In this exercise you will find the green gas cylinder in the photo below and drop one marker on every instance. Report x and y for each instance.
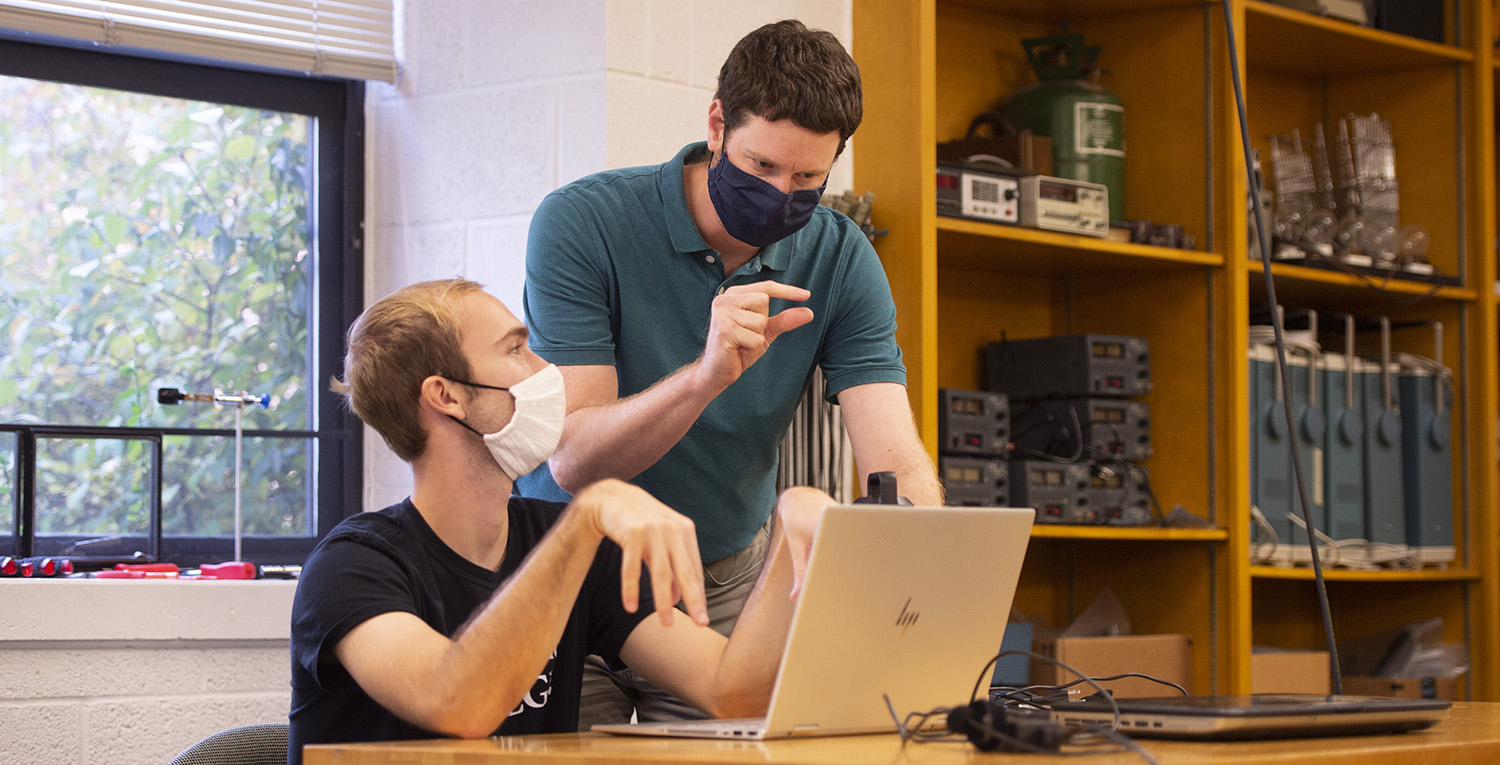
(1085, 121)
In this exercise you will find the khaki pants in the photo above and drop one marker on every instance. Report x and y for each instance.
(612, 696)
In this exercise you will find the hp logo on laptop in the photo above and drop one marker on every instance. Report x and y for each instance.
(907, 618)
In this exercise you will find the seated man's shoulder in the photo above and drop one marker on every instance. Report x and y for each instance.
(383, 522)
(360, 533)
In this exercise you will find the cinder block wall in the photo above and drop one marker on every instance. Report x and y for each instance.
(501, 101)
(662, 60)
(133, 671)
(497, 101)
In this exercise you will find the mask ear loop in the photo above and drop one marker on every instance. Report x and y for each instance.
(466, 425)
(472, 384)
(462, 381)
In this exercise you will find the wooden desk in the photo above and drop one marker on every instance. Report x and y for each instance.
(1470, 734)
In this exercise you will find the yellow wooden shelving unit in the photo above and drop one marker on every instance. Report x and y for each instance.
(1341, 575)
(1143, 534)
(930, 66)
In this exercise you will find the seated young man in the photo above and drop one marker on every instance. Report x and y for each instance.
(465, 611)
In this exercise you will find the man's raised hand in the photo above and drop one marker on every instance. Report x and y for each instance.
(741, 327)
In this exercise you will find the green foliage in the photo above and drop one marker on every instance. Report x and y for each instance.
(8, 478)
(107, 497)
(152, 242)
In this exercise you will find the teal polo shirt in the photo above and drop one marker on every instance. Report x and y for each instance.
(617, 274)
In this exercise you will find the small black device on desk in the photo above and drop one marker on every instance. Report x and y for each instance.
(881, 490)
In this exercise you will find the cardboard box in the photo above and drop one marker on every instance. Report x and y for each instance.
(1166, 657)
(1445, 688)
(1289, 672)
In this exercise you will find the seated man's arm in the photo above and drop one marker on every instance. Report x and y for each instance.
(467, 685)
(878, 417)
(605, 436)
(734, 677)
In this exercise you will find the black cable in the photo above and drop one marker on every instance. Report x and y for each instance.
(1097, 455)
(1121, 676)
(915, 726)
(1104, 458)
(1057, 430)
(1110, 735)
(1047, 419)
(1082, 678)
(1386, 276)
(1337, 682)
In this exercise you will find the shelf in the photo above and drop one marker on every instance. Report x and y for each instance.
(1293, 42)
(1303, 285)
(1341, 575)
(959, 284)
(1128, 534)
(1010, 249)
(1061, 10)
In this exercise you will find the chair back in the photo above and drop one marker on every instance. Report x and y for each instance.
(263, 744)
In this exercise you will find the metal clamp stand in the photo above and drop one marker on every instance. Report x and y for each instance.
(172, 396)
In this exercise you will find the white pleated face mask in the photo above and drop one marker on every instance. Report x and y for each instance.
(536, 426)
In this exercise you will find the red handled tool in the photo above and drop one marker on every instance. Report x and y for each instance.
(36, 566)
(231, 570)
(118, 574)
(140, 571)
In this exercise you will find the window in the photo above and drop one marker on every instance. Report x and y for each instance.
(171, 224)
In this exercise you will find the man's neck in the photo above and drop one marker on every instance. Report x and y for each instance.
(732, 252)
(466, 503)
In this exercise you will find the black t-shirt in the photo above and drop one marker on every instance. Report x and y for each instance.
(388, 561)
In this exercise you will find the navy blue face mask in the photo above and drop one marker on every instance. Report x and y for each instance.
(754, 211)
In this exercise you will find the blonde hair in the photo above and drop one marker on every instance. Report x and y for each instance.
(392, 347)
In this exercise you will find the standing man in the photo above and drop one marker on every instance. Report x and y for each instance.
(688, 305)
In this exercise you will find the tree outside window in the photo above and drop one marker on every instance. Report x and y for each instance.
(150, 242)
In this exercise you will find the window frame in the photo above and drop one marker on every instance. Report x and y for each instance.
(337, 107)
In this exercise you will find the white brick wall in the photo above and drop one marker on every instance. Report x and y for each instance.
(663, 59)
(134, 672)
(501, 101)
(498, 103)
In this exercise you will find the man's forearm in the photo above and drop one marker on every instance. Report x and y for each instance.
(884, 435)
(747, 670)
(620, 439)
(919, 483)
(916, 476)
(507, 643)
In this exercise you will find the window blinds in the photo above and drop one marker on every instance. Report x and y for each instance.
(345, 38)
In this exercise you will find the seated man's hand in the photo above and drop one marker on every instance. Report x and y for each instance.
(649, 532)
(798, 511)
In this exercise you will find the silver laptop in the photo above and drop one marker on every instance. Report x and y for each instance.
(1256, 717)
(909, 602)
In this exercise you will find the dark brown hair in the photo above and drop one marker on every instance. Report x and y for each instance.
(786, 71)
(393, 346)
